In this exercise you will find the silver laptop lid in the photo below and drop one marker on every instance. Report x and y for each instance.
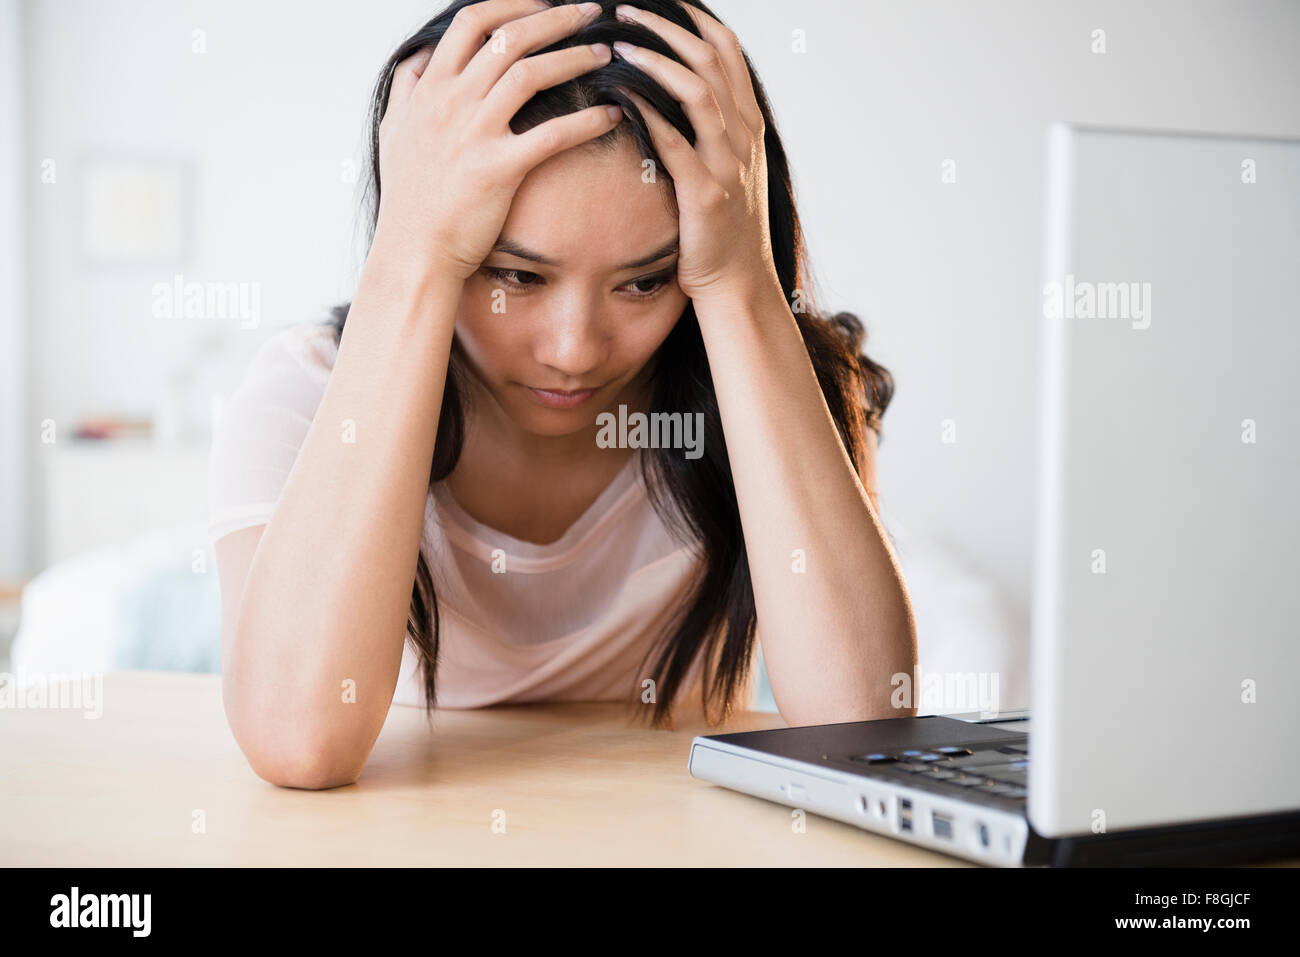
(1166, 608)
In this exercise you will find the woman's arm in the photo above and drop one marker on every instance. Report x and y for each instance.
(326, 584)
(321, 597)
(834, 616)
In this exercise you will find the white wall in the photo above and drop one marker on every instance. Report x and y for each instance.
(13, 381)
(265, 118)
(945, 276)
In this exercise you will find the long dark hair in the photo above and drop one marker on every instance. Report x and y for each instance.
(694, 497)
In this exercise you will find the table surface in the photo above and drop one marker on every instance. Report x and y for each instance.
(573, 784)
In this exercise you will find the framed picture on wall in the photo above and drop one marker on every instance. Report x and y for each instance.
(136, 211)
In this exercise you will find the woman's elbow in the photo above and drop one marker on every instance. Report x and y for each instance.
(302, 767)
(308, 779)
(308, 762)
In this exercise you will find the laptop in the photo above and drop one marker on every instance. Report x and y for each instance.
(1164, 709)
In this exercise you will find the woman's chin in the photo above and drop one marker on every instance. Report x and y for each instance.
(552, 422)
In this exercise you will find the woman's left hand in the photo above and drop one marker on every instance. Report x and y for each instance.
(721, 182)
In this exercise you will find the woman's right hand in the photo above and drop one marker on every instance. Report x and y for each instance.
(449, 162)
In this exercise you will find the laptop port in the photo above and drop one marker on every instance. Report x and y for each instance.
(872, 806)
(984, 835)
(904, 814)
(942, 826)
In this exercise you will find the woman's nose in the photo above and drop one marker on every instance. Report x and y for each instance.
(571, 338)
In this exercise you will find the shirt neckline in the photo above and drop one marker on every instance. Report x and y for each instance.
(483, 539)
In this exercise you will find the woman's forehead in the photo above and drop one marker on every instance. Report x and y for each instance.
(591, 206)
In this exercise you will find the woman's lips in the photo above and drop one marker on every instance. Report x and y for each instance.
(559, 399)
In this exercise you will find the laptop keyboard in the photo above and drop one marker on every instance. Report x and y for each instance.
(1003, 770)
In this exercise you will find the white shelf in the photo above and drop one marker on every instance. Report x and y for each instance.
(104, 492)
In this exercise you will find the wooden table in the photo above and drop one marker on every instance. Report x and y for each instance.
(572, 783)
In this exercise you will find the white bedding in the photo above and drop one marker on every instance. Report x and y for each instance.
(154, 604)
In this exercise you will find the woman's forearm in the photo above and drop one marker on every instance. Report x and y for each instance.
(326, 596)
(834, 616)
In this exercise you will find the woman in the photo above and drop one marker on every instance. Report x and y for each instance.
(450, 461)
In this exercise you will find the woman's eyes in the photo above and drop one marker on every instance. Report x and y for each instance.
(523, 279)
(512, 277)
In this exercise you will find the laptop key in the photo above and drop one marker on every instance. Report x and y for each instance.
(980, 759)
(1006, 774)
(1008, 790)
(876, 757)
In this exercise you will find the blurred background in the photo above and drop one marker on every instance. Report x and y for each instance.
(150, 145)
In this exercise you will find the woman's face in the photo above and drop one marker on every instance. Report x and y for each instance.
(558, 341)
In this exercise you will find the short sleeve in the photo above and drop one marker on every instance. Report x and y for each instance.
(264, 423)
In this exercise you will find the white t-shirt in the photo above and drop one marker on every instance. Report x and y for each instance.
(569, 620)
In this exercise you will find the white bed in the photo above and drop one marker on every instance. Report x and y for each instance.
(153, 603)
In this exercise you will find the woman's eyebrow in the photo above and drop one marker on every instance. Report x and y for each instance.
(667, 249)
(512, 248)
